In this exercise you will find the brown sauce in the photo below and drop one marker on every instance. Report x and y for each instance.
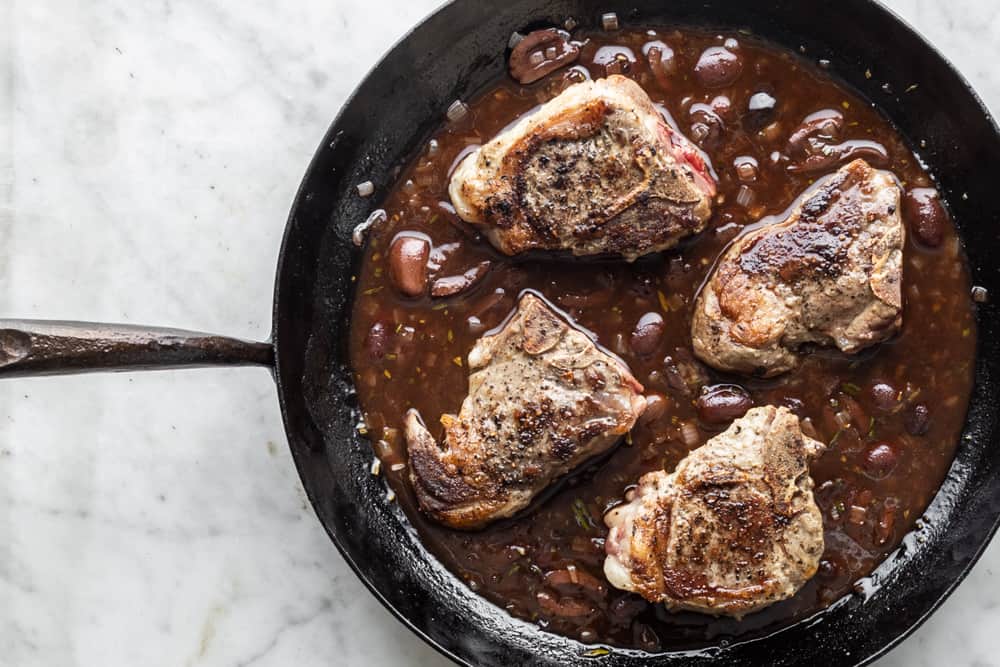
(891, 415)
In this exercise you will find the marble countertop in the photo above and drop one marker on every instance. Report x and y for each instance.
(148, 156)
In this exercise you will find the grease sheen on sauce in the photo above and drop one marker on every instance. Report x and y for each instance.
(903, 402)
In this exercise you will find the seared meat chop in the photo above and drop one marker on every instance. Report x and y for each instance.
(830, 274)
(732, 530)
(596, 170)
(543, 398)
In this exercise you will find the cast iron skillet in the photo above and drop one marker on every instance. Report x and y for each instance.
(453, 54)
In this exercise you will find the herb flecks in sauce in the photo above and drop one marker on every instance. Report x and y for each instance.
(891, 416)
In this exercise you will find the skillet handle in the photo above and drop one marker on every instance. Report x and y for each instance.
(40, 347)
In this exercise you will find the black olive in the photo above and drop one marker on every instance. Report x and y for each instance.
(925, 215)
(656, 407)
(723, 403)
(539, 53)
(647, 334)
(880, 460)
(760, 111)
(706, 126)
(718, 67)
(884, 396)
(408, 264)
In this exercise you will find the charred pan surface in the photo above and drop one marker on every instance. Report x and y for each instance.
(830, 274)
(543, 399)
(594, 171)
(732, 530)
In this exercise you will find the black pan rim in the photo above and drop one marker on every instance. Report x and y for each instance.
(290, 430)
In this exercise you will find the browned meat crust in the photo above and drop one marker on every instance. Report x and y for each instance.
(543, 398)
(733, 529)
(595, 171)
(830, 274)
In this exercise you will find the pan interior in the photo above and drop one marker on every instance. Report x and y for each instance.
(459, 51)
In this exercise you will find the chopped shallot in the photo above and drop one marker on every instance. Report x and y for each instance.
(358, 235)
(457, 111)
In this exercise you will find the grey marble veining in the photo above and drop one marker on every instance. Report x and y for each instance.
(148, 156)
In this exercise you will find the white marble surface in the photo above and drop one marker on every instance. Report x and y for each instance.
(148, 156)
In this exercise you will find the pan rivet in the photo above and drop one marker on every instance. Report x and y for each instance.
(14, 345)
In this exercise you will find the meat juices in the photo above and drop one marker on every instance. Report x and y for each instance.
(733, 529)
(831, 274)
(595, 171)
(543, 399)
(890, 416)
